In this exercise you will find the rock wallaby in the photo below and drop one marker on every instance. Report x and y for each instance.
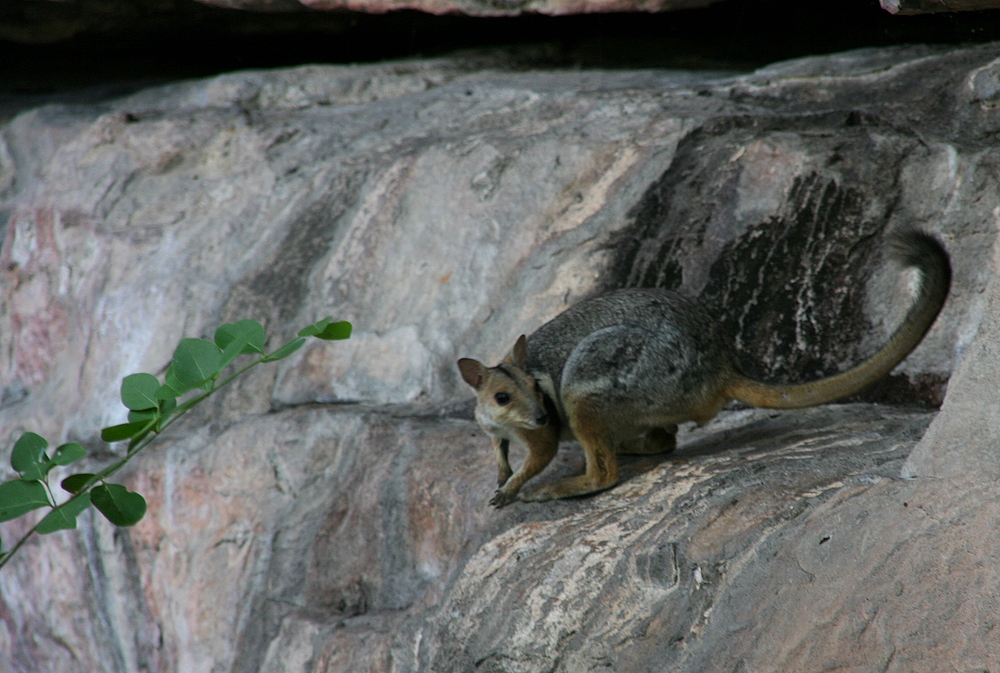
(619, 371)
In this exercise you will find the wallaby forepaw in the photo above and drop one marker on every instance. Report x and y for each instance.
(501, 499)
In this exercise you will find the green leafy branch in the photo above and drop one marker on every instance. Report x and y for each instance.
(194, 374)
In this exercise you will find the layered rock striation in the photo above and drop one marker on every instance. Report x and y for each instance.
(330, 513)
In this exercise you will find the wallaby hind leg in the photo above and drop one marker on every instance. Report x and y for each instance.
(602, 467)
(542, 445)
(657, 440)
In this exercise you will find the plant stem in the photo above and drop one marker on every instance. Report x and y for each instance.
(146, 441)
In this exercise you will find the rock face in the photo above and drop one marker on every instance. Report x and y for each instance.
(497, 7)
(23, 18)
(330, 514)
(962, 442)
(909, 7)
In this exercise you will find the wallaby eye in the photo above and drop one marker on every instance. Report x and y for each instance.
(502, 398)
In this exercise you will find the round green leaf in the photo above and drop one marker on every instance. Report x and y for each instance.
(327, 329)
(242, 338)
(196, 361)
(28, 456)
(20, 496)
(117, 433)
(336, 331)
(119, 505)
(64, 518)
(171, 388)
(68, 453)
(144, 415)
(167, 407)
(316, 328)
(139, 391)
(74, 483)
(285, 350)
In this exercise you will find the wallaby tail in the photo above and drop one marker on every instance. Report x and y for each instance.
(913, 249)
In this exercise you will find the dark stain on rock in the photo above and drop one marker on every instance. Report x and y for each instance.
(790, 288)
(276, 289)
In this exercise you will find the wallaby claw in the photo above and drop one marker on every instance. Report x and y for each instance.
(501, 499)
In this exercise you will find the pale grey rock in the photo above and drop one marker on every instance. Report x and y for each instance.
(330, 513)
(769, 564)
(963, 443)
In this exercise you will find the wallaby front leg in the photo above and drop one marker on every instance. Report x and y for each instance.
(542, 445)
(602, 467)
(500, 449)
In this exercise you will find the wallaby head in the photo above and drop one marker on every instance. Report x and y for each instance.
(506, 395)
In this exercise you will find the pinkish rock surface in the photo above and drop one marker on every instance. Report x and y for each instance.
(506, 7)
(330, 514)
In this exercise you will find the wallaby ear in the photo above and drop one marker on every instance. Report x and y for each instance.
(518, 355)
(473, 372)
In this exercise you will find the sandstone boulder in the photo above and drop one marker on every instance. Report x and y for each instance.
(330, 513)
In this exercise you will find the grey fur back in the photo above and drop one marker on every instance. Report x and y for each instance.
(643, 345)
